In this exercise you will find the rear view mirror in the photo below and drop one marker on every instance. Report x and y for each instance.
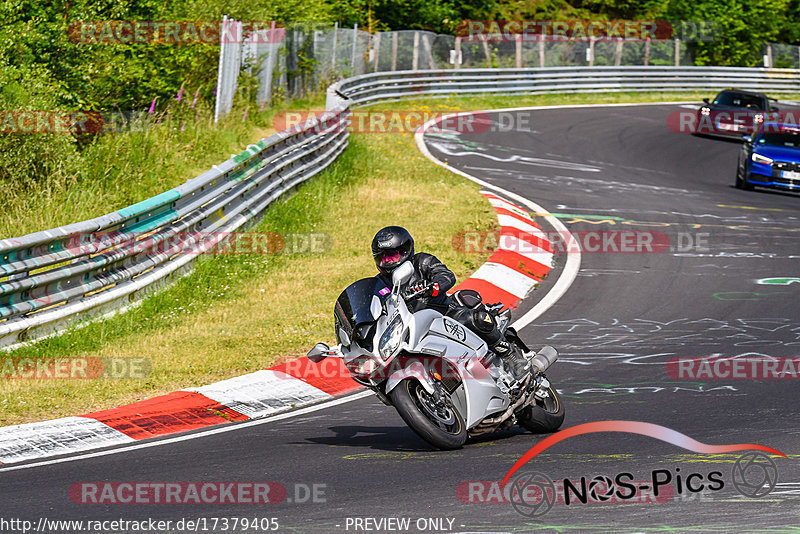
(318, 353)
(705, 100)
(403, 274)
(747, 138)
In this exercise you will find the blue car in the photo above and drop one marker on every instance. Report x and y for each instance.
(770, 158)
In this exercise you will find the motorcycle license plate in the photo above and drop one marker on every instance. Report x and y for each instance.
(791, 175)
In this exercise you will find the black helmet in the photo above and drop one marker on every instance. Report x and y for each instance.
(392, 246)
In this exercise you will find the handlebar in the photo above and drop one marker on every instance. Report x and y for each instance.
(408, 294)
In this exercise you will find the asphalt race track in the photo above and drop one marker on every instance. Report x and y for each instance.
(600, 170)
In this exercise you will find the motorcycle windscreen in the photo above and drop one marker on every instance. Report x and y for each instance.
(354, 306)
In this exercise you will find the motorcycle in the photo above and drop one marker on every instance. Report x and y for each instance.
(439, 375)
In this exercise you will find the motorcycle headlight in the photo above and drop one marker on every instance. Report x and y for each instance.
(391, 339)
(758, 158)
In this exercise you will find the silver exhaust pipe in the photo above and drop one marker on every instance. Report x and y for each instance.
(543, 359)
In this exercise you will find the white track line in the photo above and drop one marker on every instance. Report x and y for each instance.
(573, 263)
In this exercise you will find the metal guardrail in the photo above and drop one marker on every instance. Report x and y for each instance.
(52, 277)
(49, 278)
(383, 86)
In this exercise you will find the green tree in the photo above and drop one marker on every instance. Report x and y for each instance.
(741, 27)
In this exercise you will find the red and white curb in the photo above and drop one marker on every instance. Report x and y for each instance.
(523, 256)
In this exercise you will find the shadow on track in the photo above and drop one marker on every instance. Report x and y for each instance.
(767, 191)
(400, 438)
(719, 137)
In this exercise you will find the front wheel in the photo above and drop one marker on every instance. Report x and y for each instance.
(545, 415)
(741, 183)
(437, 423)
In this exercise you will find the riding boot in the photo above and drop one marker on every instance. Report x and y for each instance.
(513, 358)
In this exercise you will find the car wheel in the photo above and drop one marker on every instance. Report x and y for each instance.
(747, 186)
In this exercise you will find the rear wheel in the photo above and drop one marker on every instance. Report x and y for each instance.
(545, 415)
(438, 423)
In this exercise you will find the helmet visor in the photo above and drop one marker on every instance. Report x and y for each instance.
(390, 257)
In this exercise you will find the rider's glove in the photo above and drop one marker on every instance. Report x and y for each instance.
(422, 289)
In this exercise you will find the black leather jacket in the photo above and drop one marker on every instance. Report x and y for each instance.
(428, 268)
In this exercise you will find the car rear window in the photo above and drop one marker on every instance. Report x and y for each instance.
(739, 100)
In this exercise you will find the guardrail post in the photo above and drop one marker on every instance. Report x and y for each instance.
(394, 51)
(426, 44)
(768, 57)
(647, 51)
(335, 44)
(518, 51)
(415, 57)
(353, 54)
(457, 61)
(541, 51)
(677, 52)
(377, 49)
(228, 67)
(486, 52)
(220, 66)
(618, 53)
(267, 67)
(590, 52)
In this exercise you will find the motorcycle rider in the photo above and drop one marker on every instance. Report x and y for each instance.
(393, 245)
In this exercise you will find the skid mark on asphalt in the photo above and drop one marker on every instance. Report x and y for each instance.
(515, 158)
(627, 390)
(583, 333)
(584, 183)
(627, 167)
(454, 145)
(590, 273)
